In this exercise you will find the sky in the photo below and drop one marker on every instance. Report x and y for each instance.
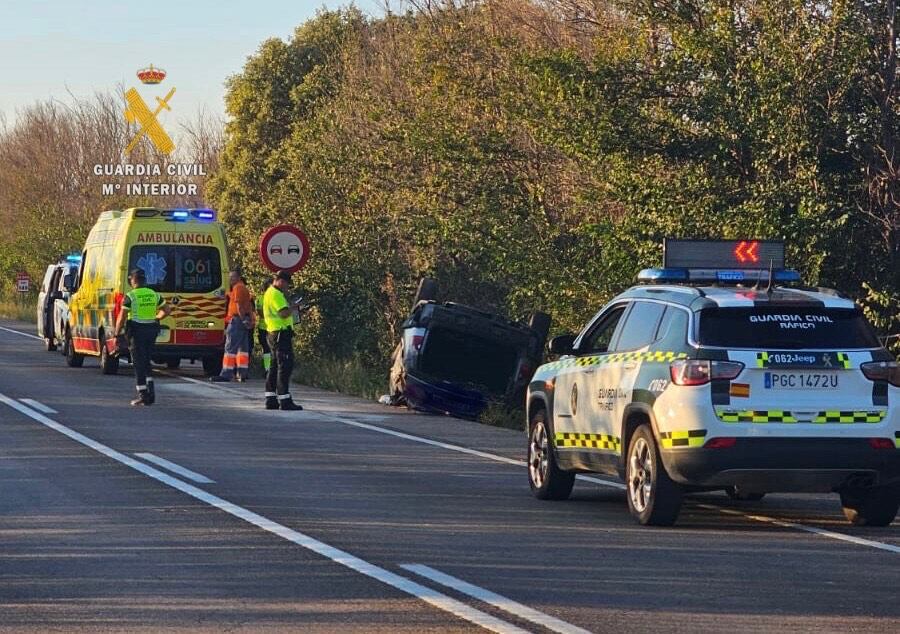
(53, 48)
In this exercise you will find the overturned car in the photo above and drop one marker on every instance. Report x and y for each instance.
(457, 359)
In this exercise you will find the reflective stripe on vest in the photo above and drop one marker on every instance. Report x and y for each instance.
(144, 305)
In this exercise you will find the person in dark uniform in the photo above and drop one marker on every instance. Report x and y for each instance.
(141, 311)
(279, 320)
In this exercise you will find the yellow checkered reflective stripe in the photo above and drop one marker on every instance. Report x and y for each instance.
(897, 439)
(756, 416)
(762, 359)
(588, 441)
(688, 438)
(844, 359)
(780, 416)
(655, 356)
(850, 417)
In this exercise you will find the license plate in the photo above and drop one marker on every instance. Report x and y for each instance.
(801, 381)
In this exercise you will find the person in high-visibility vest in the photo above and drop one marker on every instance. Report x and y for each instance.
(238, 319)
(280, 327)
(261, 335)
(142, 308)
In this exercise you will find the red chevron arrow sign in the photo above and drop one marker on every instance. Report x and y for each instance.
(747, 251)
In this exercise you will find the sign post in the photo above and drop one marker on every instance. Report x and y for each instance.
(284, 247)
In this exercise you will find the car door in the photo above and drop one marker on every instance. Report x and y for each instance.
(617, 382)
(578, 425)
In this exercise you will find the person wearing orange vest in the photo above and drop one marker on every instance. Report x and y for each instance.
(238, 323)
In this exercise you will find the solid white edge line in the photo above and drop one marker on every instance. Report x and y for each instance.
(45, 409)
(19, 332)
(616, 485)
(175, 468)
(494, 599)
(424, 593)
(859, 541)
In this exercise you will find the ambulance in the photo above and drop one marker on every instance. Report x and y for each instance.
(184, 257)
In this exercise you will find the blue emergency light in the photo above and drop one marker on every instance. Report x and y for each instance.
(74, 258)
(205, 214)
(180, 214)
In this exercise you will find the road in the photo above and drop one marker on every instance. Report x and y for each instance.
(351, 516)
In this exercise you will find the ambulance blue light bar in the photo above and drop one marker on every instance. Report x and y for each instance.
(204, 214)
(179, 214)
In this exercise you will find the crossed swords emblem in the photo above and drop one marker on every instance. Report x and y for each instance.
(137, 111)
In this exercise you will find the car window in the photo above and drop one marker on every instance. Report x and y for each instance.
(640, 326)
(673, 328)
(785, 327)
(598, 339)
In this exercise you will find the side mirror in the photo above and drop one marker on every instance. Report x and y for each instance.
(69, 282)
(562, 344)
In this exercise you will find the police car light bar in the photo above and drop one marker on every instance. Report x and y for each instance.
(716, 276)
(723, 254)
(74, 258)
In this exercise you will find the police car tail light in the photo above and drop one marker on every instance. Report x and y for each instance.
(882, 371)
(881, 443)
(702, 371)
(417, 341)
(721, 443)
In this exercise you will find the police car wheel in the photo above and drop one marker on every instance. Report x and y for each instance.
(737, 493)
(653, 498)
(876, 506)
(73, 359)
(547, 480)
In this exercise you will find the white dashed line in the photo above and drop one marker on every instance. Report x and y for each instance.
(38, 406)
(175, 468)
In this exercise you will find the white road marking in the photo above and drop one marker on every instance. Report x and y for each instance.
(175, 468)
(19, 332)
(859, 541)
(494, 599)
(424, 593)
(519, 463)
(46, 409)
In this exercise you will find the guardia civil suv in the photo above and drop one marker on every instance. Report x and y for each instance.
(720, 372)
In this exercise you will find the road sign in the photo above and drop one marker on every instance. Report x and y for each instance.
(23, 282)
(284, 247)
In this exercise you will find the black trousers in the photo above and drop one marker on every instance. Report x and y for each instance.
(141, 339)
(278, 380)
(263, 338)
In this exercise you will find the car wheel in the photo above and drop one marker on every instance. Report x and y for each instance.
(540, 323)
(109, 364)
(876, 506)
(212, 365)
(173, 364)
(547, 480)
(73, 359)
(427, 291)
(742, 495)
(653, 497)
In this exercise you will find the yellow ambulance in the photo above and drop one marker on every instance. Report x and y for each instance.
(184, 257)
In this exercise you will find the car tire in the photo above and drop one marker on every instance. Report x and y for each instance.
(876, 506)
(546, 479)
(741, 495)
(109, 364)
(73, 359)
(173, 364)
(427, 291)
(212, 366)
(654, 499)
(540, 323)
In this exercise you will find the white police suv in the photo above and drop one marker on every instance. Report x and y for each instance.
(720, 372)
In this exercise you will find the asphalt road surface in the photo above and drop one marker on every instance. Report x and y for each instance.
(207, 513)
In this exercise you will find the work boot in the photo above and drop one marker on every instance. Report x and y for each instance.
(289, 405)
(137, 402)
(271, 402)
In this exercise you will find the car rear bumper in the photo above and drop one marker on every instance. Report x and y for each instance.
(785, 464)
(443, 398)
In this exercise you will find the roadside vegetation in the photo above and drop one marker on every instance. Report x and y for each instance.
(529, 154)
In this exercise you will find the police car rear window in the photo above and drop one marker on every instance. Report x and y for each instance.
(785, 328)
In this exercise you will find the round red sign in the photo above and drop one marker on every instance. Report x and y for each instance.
(284, 247)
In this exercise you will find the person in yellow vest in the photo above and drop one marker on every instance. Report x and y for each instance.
(261, 335)
(279, 321)
(141, 311)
